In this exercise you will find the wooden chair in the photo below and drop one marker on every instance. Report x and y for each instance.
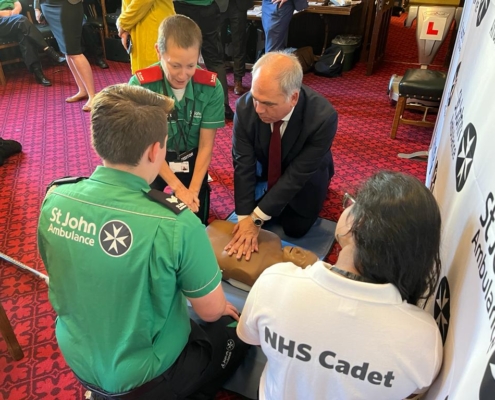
(422, 88)
(9, 336)
(95, 19)
(7, 43)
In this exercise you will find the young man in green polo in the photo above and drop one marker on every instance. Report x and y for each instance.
(122, 260)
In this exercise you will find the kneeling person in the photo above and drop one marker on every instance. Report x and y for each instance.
(197, 113)
(283, 132)
(123, 258)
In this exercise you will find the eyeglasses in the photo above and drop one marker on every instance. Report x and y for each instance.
(347, 200)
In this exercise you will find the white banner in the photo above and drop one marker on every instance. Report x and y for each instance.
(460, 173)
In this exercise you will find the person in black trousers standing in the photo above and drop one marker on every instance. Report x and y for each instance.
(207, 14)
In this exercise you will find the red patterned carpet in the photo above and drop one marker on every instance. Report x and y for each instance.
(55, 137)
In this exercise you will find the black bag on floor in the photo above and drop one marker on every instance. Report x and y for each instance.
(330, 63)
(115, 51)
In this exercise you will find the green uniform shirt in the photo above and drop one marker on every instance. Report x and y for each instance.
(7, 4)
(205, 101)
(197, 2)
(120, 266)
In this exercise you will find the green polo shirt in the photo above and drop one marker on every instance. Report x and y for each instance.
(120, 268)
(6, 4)
(201, 106)
(196, 2)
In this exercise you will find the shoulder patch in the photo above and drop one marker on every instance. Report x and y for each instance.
(150, 74)
(63, 181)
(168, 200)
(204, 77)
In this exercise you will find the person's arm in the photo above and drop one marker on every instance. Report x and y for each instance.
(132, 14)
(8, 13)
(197, 273)
(245, 233)
(37, 11)
(17, 8)
(214, 305)
(205, 151)
(304, 165)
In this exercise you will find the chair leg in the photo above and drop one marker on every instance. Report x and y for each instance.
(102, 38)
(3, 81)
(9, 336)
(399, 110)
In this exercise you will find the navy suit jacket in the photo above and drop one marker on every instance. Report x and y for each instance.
(306, 152)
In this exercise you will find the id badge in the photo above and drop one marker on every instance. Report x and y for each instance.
(179, 167)
(185, 156)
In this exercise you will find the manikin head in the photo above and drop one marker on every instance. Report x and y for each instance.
(277, 80)
(178, 46)
(299, 256)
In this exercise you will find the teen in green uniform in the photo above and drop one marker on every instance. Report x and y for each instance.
(197, 114)
(122, 259)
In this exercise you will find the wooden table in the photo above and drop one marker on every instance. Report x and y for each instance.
(325, 11)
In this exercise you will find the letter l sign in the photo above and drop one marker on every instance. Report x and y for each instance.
(430, 30)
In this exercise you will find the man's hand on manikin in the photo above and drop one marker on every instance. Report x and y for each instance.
(245, 239)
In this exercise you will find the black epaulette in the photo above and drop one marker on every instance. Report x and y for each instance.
(64, 180)
(168, 200)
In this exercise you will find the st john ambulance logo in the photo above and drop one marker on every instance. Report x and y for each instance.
(441, 310)
(487, 388)
(483, 7)
(465, 156)
(115, 238)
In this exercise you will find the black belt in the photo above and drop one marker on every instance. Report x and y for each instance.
(134, 394)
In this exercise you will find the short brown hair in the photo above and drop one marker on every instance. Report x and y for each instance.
(125, 120)
(181, 30)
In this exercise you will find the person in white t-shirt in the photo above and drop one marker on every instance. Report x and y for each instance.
(354, 330)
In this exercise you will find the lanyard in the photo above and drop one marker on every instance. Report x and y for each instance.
(183, 136)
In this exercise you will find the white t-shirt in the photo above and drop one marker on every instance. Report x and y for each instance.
(329, 337)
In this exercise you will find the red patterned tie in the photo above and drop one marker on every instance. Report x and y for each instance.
(275, 155)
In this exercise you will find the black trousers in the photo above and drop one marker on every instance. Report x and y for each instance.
(204, 193)
(29, 37)
(209, 20)
(238, 22)
(211, 355)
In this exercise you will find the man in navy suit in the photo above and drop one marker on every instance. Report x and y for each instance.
(283, 132)
(275, 17)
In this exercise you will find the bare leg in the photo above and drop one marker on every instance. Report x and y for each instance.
(81, 70)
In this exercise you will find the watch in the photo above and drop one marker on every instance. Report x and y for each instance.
(257, 220)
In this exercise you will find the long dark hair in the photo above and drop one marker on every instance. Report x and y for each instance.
(396, 228)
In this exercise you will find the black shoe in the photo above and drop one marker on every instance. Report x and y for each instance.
(55, 56)
(8, 148)
(40, 78)
(229, 114)
(100, 61)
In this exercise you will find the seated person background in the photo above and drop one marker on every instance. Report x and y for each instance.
(283, 132)
(356, 329)
(30, 39)
(270, 252)
(122, 259)
(197, 114)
